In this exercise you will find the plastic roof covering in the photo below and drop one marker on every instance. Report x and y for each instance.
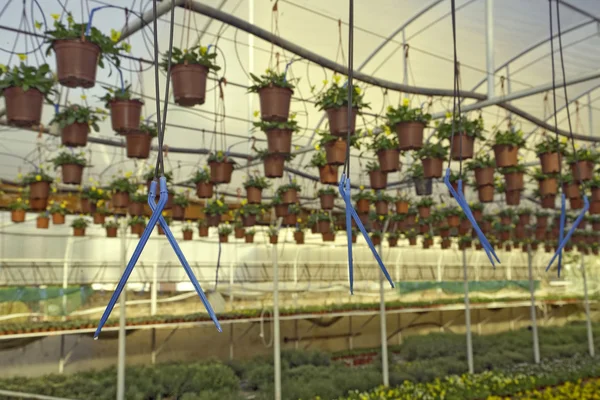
(312, 24)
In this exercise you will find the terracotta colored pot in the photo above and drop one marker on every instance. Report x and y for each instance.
(75, 135)
(378, 179)
(486, 193)
(72, 173)
(213, 220)
(550, 162)
(249, 220)
(39, 190)
(120, 199)
(362, 206)
(38, 204)
(189, 84)
(453, 221)
(432, 167)
(576, 204)
(239, 233)
(520, 232)
(445, 232)
(203, 231)
(595, 195)
(464, 227)
(541, 221)
(137, 229)
(412, 241)
(138, 145)
(594, 207)
(455, 187)
(477, 214)
(253, 195)
(78, 231)
(289, 196)
(506, 156)
(323, 226)
(87, 207)
(582, 170)
(381, 207)
(204, 190)
(423, 187)
(220, 172)
(513, 198)
(299, 237)
(178, 212)
(223, 238)
(446, 244)
(273, 239)
(389, 160)
(328, 175)
(410, 135)
(42, 222)
(335, 151)
(548, 186)
(289, 220)
(402, 207)
(169, 203)
(548, 201)
(17, 216)
(514, 181)
(506, 220)
(424, 212)
(281, 210)
(99, 219)
(76, 62)
(524, 219)
(327, 201)
(188, 235)
(571, 190)
(484, 176)
(376, 240)
(161, 231)
(275, 103)
(338, 120)
(467, 142)
(23, 108)
(328, 236)
(249, 238)
(279, 141)
(58, 219)
(125, 115)
(111, 232)
(540, 233)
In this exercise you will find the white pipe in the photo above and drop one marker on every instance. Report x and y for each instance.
(489, 41)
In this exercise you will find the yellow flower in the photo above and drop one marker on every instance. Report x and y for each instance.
(219, 203)
(22, 57)
(54, 190)
(219, 153)
(115, 35)
(256, 113)
(100, 191)
(325, 82)
(164, 213)
(448, 114)
(203, 50)
(100, 203)
(381, 217)
(55, 16)
(20, 175)
(244, 201)
(387, 130)
(357, 90)
(299, 220)
(38, 25)
(128, 174)
(336, 78)
(362, 187)
(19, 199)
(93, 188)
(317, 146)
(127, 47)
(406, 102)
(38, 178)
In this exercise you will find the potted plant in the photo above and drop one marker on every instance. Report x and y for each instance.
(121, 188)
(385, 146)
(189, 71)
(363, 200)
(238, 229)
(513, 177)
(328, 236)
(547, 183)
(224, 232)
(249, 236)
(137, 225)
(42, 221)
(273, 234)
(411, 235)
(335, 147)
(254, 186)
(423, 186)
(524, 215)
(275, 94)
(273, 163)
(550, 151)
(39, 188)
(204, 187)
(139, 141)
(249, 213)
(100, 214)
(279, 134)
(477, 211)
(334, 101)
(90, 197)
(221, 167)
(299, 234)
(112, 228)
(483, 168)
(125, 111)
(74, 122)
(72, 165)
(432, 157)
(180, 203)
(570, 187)
(547, 201)
(328, 173)
(427, 240)
(327, 197)
(402, 203)
(424, 206)
(409, 124)
(136, 203)
(377, 178)
(79, 225)
(168, 220)
(393, 238)
(465, 133)
(289, 192)
(382, 201)
(281, 209)
(24, 89)
(506, 147)
(202, 228)
(376, 237)
(57, 210)
(452, 215)
(324, 221)
(18, 209)
(188, 231)
(292, 214)
(582, 163)
(213, 210)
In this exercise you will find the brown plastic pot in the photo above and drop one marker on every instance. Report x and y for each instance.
(514, 181)
(299, 237)
(99, 219)
(137, 229)
(273, 239)
(17, 216)
(275, 103)
(23, 108)
(424, 212)
(453, 221)
(423, 187)
(381, 207)
(42, 222)
(338, 120)
(335, 152)
(432, 167)
(410, 135)
(289, 196)
(376, 240)
(281, 210)
(76, 62)
(189, 84)
(506, 156)
(524, 219)
(120, 199)
(289, 220)
(576, 204)
(204, 190)
(595, 194)
(58, 219)
(412, 241)
(486, 193)
(328, 174)
(38, 204)
(125, 115)
(402, 207)
(87, 207)
(477, 214)
(550, 162)
(327, 201)
(548, 201)
(571, 190)
(253, 195)
(328, 236)
(548, 186)
(75, 135)
(393, 241)
(135, 209)
(39, 190)
(111, 232)
(188, 235)
(582, 170)
(178, 212)
(249, 220)
(239, 233)
(541, 221)
(138, 145)
(203, 231)
(323, 226)
(279, 141)
(389, 160)
(484, 176)
(446, 244)
(512, 198)
(595, 207)
(249, 238)
(223, 239)
(220, 172)
(213, 220)
(78, 231)
(378, 179)
(464, 227)
(72, 173)
(362, 206)
(467, 142)
(273, 165)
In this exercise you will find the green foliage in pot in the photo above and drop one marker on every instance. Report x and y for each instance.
(111, 224)
(181, 200)
(196, 55)
(524, 211)
(519, 168)
(583, 154)
(542, 213)
(272, 231)
(187, 227)
(276, 200)
(80, 223)
(138, 197)
(318, 159)
(293, 185)
(476, 206)
(376, 234)
(66, 157)
(294, 209)
(433, 150)
(250, 232)
(328, 190)
(149, 176)
(321, 215)
(507, 212)
(123, 184)
(225, 229)
(269, 79)
(28, 77)
(148, 128)
(452, 212)
(425, 201)
(94, 194)
(249, 209)
(325, 138)
(384, 141)
(509, 138)
(381, 195)
(406, 113)
(109, 46)
(55, 207)
(137, 220)
(402, 196)
(77, 114)
(116, 95)
(18, 204)
(37, 176)
(411, 233)
(465, 239)
(264, 153)
(480, 161)
(336, 96)
(256, 181)
(290, 125)
(473, 128)
(372, 166)
(393, 235)
(538, 175)
(216, 207)
(416, 170)
(219, 156)
(550, 144)
(201, 176)
(363, 195)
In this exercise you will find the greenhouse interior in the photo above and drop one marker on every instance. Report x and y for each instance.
(299, 199)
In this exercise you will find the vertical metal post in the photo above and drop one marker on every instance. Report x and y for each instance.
(153, 306)
(508, 90)
(489, 41)
(590, 113)
(533, 309)
(122, 302)
(467, 314)
(276, 337)
(586, 304)
(383, 327)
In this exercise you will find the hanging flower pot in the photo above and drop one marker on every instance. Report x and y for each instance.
(338, 120)
(445, 232)
(462, 146)
(477, 214)
(189, 84)
(514, 181)
(381, 207)
(484, 176)
(75, 135)
(275, 103)
(412, 241)
(524, 219)
(23, 108)
(327, 201)
(273, 165)
(253, 195)
(279, 140)
(548, 186)
(138, 145)
(178, 212)
(203, 231)
(432, 167)
(289, 196)
(548, 201)
(571, 190)
(540, 233)
(289, 220)
(204, 190)
(453, 221)
(506, 155)
(389, 160)
(595, 194)
(576, 204)
(328, 174)
(38, 204)
(58, 219)
(464, 227)
(281, 210)
(378, 179)
(249, 238)
(376, 240)
(39, 190)
(120, 199)
(99, 218)
(213, 220)
(446, 244)
(513, 198)
(76, 62)
(239, 233)
(582, 170)
(125, 115)
(220, 171)
(273, 239)
(335, 151)
(72, 173)
(424, 211)
(223, 238)
(42, 222)
(87, 206)
(249, 220)
(423, 187)
(402, 207)
(362, 206)
(410, 135)
(135, 208)
(324, 226)
(486, 193)
(328, 236)
(188, 235)
(17, 216)
(111, 231)
(299, 237)
(78, 231)
(550, 162)
(541, 221)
